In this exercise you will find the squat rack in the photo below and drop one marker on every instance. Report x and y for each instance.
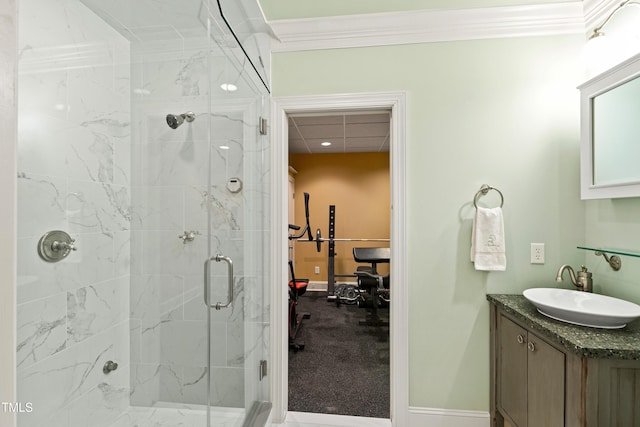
(331, 274)
(331, 253)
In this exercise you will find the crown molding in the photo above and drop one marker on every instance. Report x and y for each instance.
(596, 11)
(421, 26)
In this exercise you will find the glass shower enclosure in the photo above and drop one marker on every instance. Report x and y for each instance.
(143, 206)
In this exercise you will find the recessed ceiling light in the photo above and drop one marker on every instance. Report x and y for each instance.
(224, 147)
(228, 87)
(326, 144)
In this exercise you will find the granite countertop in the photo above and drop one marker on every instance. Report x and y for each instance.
(593, 343)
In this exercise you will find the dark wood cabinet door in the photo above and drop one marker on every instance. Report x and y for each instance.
(545, 384)
(513, 371)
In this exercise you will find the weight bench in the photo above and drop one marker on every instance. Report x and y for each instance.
(374, 284)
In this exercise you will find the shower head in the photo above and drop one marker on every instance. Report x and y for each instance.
(175, 120)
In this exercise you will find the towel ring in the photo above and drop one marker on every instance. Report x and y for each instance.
(483, 191)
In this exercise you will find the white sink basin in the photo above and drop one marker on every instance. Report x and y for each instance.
(583, 308)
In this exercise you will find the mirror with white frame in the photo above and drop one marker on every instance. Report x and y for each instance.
(610, 133)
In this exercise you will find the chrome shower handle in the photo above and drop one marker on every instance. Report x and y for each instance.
(64, 246)
(55, 246)
(229, 262)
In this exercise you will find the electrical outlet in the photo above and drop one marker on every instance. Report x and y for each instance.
(317, 269)
(537, 253)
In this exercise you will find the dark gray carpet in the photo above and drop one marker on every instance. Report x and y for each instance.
(344, 367)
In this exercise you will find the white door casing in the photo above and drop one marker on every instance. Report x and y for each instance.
(399, 318)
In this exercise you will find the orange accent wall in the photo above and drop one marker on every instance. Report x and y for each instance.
(358, 184)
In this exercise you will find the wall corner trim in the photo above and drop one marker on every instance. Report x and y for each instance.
(280, 107)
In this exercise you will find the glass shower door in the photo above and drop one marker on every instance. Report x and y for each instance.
(235, 275)
(236, 269)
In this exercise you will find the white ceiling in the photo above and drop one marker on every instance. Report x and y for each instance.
(348, 132)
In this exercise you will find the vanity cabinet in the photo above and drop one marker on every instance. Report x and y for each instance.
(531, 375)
(546, 373)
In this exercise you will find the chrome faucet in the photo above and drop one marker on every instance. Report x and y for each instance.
(188, 236)
(583, 282)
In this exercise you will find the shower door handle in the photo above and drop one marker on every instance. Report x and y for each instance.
(229, 262)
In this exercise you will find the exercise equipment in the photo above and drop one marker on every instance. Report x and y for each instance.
(375, 285)
(297, 287)
(320, 240)
(345, 293)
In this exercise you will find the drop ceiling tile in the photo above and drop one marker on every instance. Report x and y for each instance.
(322, 131)
(317, 120)
(369, 129)
(367, 118)
(349, 132)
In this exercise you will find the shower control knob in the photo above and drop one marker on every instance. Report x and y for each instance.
(55, 245)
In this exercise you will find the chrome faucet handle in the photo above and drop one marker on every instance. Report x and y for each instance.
(585, 283)
(64, 246)
(188, 236)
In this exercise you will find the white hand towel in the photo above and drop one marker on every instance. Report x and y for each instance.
(487, 240)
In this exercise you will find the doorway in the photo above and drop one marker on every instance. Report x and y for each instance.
(282, 108)
(341, 160)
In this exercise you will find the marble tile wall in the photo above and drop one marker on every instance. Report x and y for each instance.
(96, 159)
(73, 175)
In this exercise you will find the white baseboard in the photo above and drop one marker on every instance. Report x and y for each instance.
(420, 417)
(317, 286)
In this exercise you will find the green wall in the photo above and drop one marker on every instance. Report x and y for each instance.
(503, 112)
(614, 223)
